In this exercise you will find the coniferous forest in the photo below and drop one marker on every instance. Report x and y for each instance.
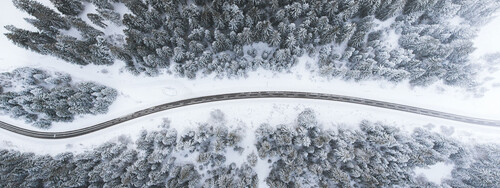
(41, 98)
(299, 155)
(392, 40)
(420, 42)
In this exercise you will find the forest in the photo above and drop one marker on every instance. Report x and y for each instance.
(40, 97)
(395, 40)
(301, 154)
(421, 42)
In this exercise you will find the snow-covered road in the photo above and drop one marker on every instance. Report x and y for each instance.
(246, 95)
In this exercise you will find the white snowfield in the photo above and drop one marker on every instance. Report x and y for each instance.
(138, 92)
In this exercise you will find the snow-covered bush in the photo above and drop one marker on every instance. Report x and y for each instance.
(40, 97)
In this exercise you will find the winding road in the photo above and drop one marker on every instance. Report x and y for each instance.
(247, 95)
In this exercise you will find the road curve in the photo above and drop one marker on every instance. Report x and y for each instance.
(247, 95)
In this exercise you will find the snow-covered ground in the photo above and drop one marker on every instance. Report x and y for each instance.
(488, 39)
(138, 92)
(250, 113)
(435, 173)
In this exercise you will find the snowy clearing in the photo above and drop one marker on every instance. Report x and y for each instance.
(436, 173)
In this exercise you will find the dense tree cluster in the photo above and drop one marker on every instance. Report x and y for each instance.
(155, 161)
(374, 156)
(299, 155)
(40, 97)
(472, 173)
(232, 37)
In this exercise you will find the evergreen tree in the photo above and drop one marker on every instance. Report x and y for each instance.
(301, 154)
(157, 30)
(30, 40)
(68, 7)
(96, 19)
(46, 15)
(46, 98)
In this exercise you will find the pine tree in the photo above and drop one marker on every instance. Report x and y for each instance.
(155, 28)
(102, 4)
(245, 37)
(388, 9)
(46, 98)
(30, 40)
(111, 16)
(87, 31)
(275, 39)
(364, 27)
(414, 6)
(346, 32)
(46, 15)
(68, 7)
(96, 19)
(221, 42)
(42, 27)
(369, 7)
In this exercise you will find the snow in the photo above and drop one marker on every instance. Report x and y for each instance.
(259, 47)
(487, 43)
(121, 9)
(488, 40)
(436, 172)
(251, 113)
(456, 21)
(139, 92)
(112, 29)
(89, 8)
(380, 25)
(145, 92)
(73, 32)
(392, 37)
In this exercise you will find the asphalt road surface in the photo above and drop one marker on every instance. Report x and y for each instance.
(247, 95)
